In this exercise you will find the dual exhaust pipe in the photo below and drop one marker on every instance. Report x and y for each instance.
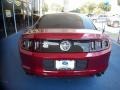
(99, 74)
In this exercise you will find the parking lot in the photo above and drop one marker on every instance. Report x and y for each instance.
(56, 35)
(112, 32)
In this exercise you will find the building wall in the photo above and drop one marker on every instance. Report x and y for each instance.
(15, 15)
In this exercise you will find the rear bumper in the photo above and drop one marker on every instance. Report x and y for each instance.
(96, 62)
(63, 73)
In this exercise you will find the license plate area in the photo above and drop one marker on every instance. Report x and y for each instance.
(65, 64)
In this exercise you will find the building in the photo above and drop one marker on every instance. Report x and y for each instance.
(15, 15)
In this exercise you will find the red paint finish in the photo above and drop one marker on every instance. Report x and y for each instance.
(95, 64)
(96, 61)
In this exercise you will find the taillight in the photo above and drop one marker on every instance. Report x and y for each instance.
(97, 45)
(31, 45)
(27, 44)
(37, 45)
(85, 46)
(105, 44)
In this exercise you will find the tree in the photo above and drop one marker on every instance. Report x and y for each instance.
(88, 8)
(104, 7)
(91, 7)
(77, 10)
(56, 7)
(44, 7)
(98, 11)
(118, 1)
(84, 9)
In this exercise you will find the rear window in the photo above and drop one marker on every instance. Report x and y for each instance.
(65, 21)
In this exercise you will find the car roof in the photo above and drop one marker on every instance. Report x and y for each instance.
(62, 20)
(65, 20)
(66, 14)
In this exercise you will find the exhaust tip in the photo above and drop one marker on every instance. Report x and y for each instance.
(98, 74)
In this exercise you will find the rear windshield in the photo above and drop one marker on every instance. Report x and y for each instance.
(65, 21)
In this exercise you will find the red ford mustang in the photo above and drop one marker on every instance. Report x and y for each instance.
(64, 44)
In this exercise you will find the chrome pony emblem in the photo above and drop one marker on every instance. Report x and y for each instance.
(65, 45)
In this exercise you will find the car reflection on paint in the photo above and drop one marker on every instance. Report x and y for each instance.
(64, 44)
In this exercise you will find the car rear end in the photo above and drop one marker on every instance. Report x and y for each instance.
(58, 51)
(42, 55)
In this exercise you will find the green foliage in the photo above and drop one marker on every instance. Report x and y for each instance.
(104, 7)
(56, 7)
(91, 7)
(98, 11)
(118, 1)
(88, 8)
(77, 10)
(95, 8)
(84, 9)
(44, 7)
